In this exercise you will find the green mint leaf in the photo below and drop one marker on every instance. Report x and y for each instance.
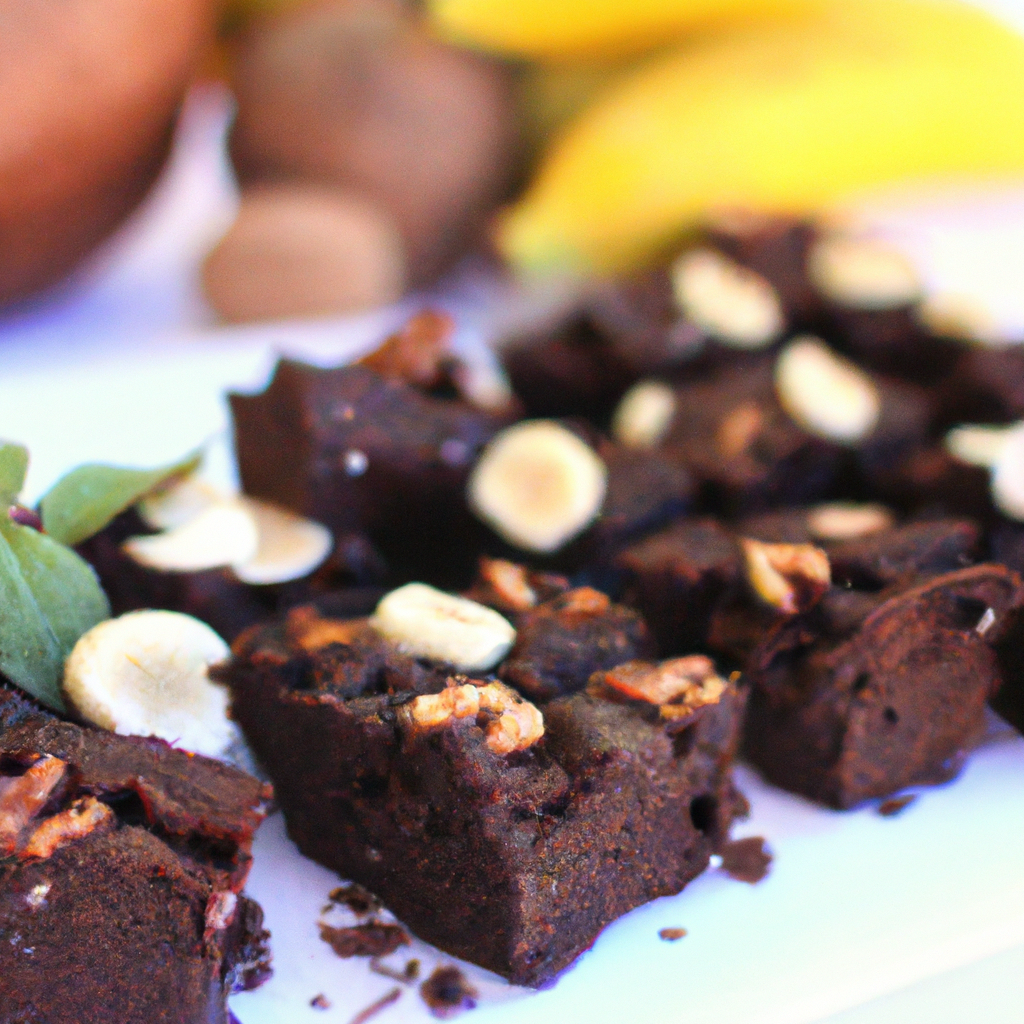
(81, 503)
(30, 654)
(13, 465)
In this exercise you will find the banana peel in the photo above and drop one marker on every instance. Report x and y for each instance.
(792, 117)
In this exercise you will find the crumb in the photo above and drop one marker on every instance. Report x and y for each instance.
(374, 1008)
(371, 939)
(672, 934)
(746, 860)
(359, 900)
(447, 992)
(406, 976)
(898, 804)
(320, 1002)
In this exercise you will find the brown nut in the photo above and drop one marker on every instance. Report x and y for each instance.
(509, 722)
(24, 796)
(790, 577)
(678, 686)
(503, 585)
(81, 819)
(305, 628)
(419, 354)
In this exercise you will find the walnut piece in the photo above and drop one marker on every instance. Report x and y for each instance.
(505, 585)
(419, 354)
(509, 722)
(23, 797)
(81, 819)
(790, 577)
(678, 686)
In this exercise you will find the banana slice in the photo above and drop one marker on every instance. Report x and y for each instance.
(146, 674)
(538, 485)
(827, 395)
(225, 533)
(179, 503)
(862, 273)
(644, 414)
(1008, 475)
(290, 546)
(428, 623)
(978, 444)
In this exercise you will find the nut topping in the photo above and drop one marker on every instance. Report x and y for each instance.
(538, 485)
(509, 722)
(737, 431)
(419, 353)
(845, 520)
(790, 577)
(428, 623)
(24, 796)
(678, 686)
(727, 300)
(79, 820)
(644, 414)
(825, 394)
(505, 585)
(305, 628)
(862, 273)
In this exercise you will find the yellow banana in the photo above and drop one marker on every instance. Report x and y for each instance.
(791, 117)
(562, 28)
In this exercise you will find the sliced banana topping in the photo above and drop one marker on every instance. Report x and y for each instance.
(824, 393)
(224, 533)
(727, 300)
(845, 520)
(978, 444)
(862, 273)
(644, 414)
(178, 503)
(428, 623)
(147, 674)
(1008, 475)
(538, 485)
(958, 316)
(289, 547)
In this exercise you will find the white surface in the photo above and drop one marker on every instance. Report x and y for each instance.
(125, 365)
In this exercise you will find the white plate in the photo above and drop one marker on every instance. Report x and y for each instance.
(124, 366)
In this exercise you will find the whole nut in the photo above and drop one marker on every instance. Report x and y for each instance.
(789, 577)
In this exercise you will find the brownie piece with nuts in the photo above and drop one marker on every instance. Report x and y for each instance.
(562, 642)
(501, 833)
(122, 862)
(365, 454)
(871, 691)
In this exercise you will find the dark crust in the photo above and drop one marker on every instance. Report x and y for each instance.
(514, 862)
(152, 896)
(869, 694)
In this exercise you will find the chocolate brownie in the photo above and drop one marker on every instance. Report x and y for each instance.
(367, 455)
(873, 691)
(497, 834)
(122, 862)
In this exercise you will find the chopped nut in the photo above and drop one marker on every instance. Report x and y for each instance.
(447, 992)
(220, 909)
(289, 546)
(978, 444)
(24, 796)
(862, 273)
(371, 939)
(222, 534)
(428, 623)
(825, 394)
(1008, 476)
(644, 414)
(320, 1002)
(845, 520)
(737, 431)
(727, 300)
(418, 353)
(672, 934)
(746, 860)
(81, 819)
(305, 628)
(505, 585)
(538, 485)
(678, 686)
(790, 577)
(584, 601)
(509, 722)
(146, 673)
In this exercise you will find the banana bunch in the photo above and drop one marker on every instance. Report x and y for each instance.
(824, 102)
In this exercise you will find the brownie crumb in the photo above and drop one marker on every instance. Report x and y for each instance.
(447, 992)
(320, 1002)
(672, 934)
(897, 805)
(374, 1008)
(406, 976)
(358, 899)
(370, 939)
(746, 860)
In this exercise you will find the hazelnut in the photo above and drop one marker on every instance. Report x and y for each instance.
(790, 577)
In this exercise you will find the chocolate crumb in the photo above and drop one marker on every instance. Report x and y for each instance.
(320, 1002)
(746, 860)
(672, 934)
(374, 1008)
(370, 939)
(898, 804)
(406, 976)
(447, 992)
(358, 899)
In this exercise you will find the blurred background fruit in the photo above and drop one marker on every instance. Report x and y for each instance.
(89, 90)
